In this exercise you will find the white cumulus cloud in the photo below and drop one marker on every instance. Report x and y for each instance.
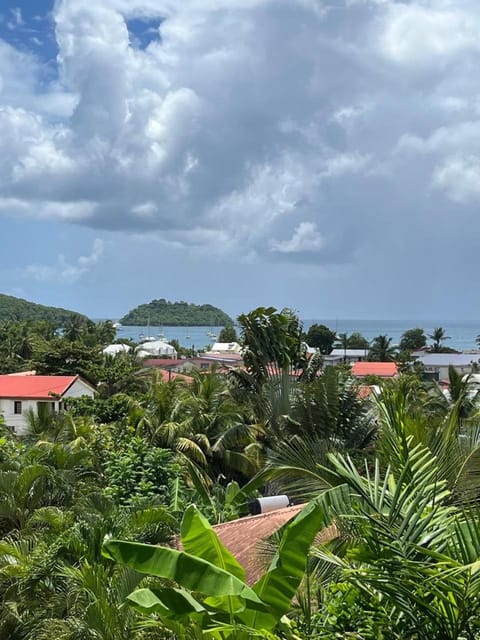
(63, 271)
(238, 121)
(306, 237)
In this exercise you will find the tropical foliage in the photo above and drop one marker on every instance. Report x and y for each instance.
(107, 512)
(17, 309)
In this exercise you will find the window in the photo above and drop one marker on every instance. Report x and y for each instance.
(17, 406)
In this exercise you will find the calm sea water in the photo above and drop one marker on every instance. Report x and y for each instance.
(462, 336)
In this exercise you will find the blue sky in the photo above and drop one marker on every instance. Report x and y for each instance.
(317, 154)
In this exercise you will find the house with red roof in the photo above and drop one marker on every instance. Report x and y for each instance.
(19, 393)
(379, 369)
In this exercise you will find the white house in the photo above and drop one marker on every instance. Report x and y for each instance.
(115, 349)
(19, 393)
(225, 347)
(156, 348)
(350, 355)
(436, 364)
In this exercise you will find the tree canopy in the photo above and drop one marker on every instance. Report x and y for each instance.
(18, 309)
(320, 337)
(228, 334)
(174, 314)
(413, 339)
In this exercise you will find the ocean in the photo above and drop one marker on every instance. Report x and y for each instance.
(461, 336)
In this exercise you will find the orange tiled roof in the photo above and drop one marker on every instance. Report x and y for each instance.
(381, 369)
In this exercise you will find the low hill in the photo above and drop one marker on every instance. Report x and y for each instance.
(176, 314)
(17, 309)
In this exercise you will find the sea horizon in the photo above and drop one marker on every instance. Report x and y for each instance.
(462, 335)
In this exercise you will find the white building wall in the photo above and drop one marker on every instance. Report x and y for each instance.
(18, 421)
(79, 388)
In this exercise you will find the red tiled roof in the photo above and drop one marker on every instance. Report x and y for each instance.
(381, 369)
(34, 387)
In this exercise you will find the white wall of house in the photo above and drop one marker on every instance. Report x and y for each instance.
(79, 388)
(440, 372)
(18, 421)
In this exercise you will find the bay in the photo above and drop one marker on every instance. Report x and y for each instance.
(462, 335)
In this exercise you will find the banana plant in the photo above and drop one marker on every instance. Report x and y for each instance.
(208, 596)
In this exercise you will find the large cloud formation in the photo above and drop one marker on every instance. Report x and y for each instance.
(305, 130)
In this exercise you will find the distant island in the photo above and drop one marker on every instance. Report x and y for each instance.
(176, 314)
(18, 309)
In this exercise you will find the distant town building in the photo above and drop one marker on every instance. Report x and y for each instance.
(435, 365)
(115, 349)
(156, 348)
(379, 369)
(350, 355)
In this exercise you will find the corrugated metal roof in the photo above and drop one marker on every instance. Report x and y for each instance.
(445, 359)
(350, 353)
(382, 369)
(34, 387)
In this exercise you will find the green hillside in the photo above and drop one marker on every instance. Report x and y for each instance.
(176, 314)
(17, 309)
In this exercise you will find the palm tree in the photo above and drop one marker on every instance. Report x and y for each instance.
(343, 343)
(382, 349)
(273, 343)
(438, 336)
(429, 557)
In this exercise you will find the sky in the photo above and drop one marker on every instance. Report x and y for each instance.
(322, 155)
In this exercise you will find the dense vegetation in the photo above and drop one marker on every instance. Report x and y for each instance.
(387, 547)
(176, 314)
(17, 309)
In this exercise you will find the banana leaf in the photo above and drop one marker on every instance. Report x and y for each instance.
(167, 602)
(200, 540)
(189, 571)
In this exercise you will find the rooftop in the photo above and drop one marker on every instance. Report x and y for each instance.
(445, 359)
(34, 387)
(163, 363)
(168, 375)
(381, 369)
(350, 353)
(243, 537)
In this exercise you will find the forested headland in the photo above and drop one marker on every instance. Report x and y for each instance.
(12, 308)
(176, 314)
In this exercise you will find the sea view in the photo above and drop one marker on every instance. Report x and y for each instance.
(462, 336)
